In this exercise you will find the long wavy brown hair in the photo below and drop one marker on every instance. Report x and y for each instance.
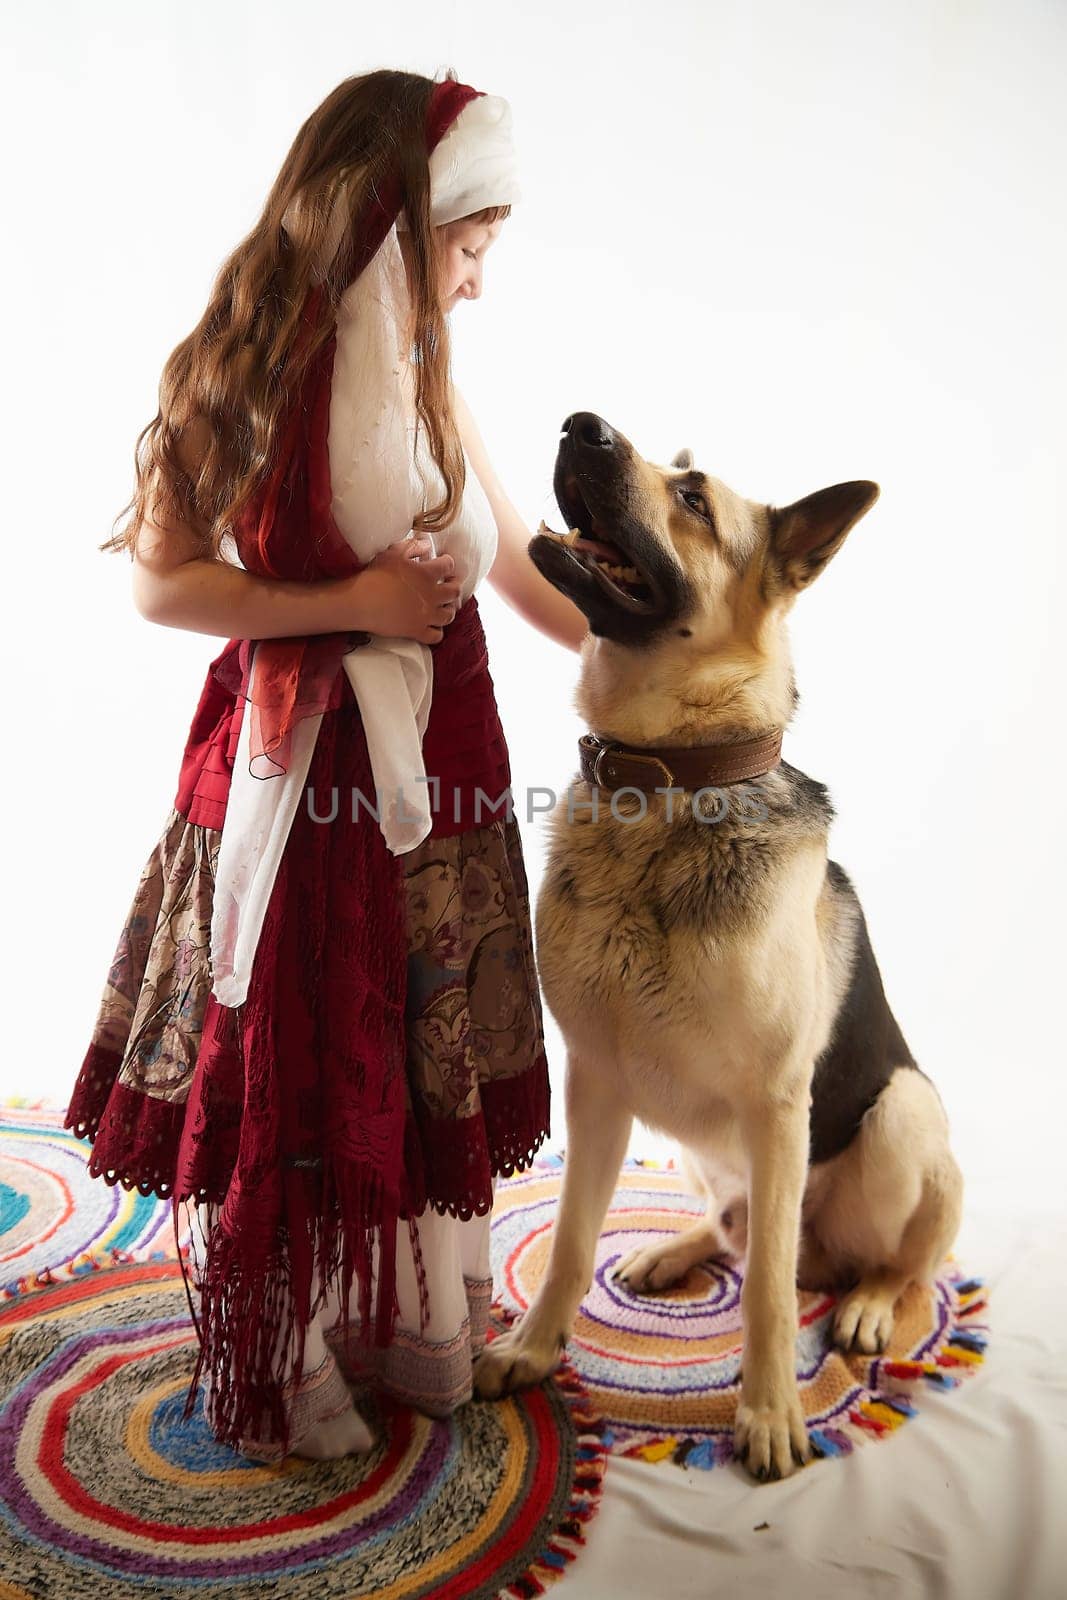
(233, 376)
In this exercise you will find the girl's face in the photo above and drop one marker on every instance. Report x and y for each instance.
(463, 247)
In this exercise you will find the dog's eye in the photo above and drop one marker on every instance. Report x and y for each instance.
(697, 501)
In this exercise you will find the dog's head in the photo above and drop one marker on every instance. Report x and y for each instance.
(676, 568)
(651, 549)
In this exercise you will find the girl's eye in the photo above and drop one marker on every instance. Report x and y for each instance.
(695, 500)
(471, 254)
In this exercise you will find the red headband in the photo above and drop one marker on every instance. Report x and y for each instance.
(445, 104)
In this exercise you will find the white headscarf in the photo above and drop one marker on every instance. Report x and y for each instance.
(379, 481)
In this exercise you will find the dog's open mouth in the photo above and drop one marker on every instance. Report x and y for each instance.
(591, 544)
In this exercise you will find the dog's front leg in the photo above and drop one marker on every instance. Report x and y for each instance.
(598, 1131)
(770, 1435)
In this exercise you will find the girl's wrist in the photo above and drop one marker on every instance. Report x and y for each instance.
(352, 605)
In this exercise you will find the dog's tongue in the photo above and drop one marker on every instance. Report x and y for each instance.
(598, 547)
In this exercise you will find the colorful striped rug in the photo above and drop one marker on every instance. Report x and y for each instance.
(56, 1221)
(663, 1369)
(106, 1492)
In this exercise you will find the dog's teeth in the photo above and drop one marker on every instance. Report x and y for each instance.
(561, 538)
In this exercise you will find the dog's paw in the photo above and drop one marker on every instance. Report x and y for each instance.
(516, 1360)
(864, 1321)
(665, 1262)
(771, 1441)
(652, 1267)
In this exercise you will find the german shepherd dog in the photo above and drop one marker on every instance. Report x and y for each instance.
(713, 976)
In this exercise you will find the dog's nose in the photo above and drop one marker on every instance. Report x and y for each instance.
(586, 427)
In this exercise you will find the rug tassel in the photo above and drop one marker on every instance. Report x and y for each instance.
(567, 1539)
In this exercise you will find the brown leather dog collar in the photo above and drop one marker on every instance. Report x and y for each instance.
(611, 765)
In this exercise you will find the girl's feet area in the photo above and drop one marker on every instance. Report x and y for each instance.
(345, 1435)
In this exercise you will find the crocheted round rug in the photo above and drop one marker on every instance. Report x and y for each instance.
(105, 1491)
(57, 1221)
(663, 1369)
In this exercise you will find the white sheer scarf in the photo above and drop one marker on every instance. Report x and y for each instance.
(379, 480)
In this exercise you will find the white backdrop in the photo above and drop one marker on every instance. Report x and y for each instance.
(813, 243)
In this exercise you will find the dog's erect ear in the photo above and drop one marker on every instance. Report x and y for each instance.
(683, 460)
(805, 535)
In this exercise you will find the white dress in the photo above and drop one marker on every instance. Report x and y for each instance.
(428, 1368)
(393, 680)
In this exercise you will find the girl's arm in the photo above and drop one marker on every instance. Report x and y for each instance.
(513, 574)
(178, 582)
(183, 588)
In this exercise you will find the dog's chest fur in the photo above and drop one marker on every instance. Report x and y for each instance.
(675, 942)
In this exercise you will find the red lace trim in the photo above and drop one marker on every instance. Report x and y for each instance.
(134, 1136)
(517, 1115)
(463, 1155)
(136, 1139)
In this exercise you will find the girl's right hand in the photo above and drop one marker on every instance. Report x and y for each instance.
(408, 592)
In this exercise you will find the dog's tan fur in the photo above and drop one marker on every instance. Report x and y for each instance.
(696, 969)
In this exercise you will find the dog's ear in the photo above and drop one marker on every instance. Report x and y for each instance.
(805, 535)
(683, 460)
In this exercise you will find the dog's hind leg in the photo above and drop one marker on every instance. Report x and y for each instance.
(893, 1208)
(598, 1131)
(864, 1318)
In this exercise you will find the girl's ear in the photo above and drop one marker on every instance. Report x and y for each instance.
(807, 534)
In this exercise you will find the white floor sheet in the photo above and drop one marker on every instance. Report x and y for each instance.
(967, 1501)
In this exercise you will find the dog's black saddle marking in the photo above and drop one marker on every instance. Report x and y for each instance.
(866, 1047)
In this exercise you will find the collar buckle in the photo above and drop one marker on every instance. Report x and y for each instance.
(630, 757)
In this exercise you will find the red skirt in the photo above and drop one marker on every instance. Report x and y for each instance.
(164, 1088)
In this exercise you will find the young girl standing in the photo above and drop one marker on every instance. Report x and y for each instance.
(321, 1031)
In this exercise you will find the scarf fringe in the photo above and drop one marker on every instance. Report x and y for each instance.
(256, 1303)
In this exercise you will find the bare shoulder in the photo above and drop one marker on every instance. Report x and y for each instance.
(462, 412)
(163, 541)
(193, 443)
(464, 420)
(475, 445)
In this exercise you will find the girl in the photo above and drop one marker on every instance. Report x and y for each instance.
(322, 1019)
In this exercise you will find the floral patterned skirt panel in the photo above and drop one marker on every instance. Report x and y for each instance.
(476, 1067)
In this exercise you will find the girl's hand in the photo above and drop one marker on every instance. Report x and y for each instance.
(407, 592)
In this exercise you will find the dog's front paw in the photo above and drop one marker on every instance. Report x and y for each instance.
(517, 1360)
(666, 1261)
(771, 1440)
(652, 1267)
